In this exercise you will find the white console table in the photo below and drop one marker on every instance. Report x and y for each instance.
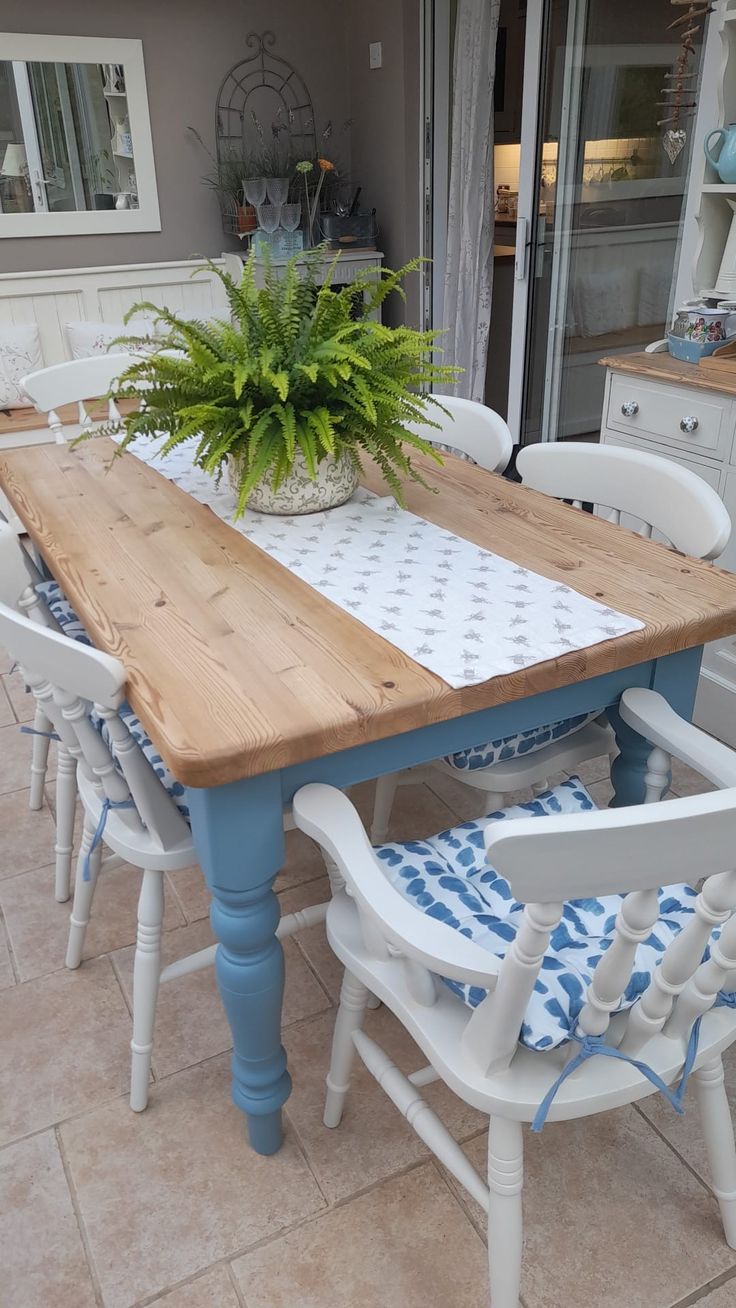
(352, 265)
(653, 402)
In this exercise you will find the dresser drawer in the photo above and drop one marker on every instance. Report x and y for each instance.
(661, 412)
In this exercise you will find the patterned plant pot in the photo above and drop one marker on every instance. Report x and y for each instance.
(336, 481)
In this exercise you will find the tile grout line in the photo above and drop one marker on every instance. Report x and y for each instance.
(11, 953)
(697, 1296)
(97, 1288)
(674, 1151)
(239, 1295)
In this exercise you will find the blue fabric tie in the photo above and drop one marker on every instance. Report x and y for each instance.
(592, 1045)
(107, 804)
(31, 731)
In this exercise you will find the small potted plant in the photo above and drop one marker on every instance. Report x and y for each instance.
(294, 392)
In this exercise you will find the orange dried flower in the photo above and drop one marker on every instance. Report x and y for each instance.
(326, 166)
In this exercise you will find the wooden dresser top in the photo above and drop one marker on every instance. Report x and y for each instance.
(662, 367)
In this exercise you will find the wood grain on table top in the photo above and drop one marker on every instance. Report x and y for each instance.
(664, 368)
(237, 667)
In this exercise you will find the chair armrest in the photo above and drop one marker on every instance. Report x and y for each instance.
(327, 815)
(650, 714)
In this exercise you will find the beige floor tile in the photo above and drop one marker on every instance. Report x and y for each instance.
(594, 769)
(612, 1182)
(166, 1193)
(685, 1132)
(6, 709)
(65, 1047)
(417, 811)
(7, 975)
(465, 803)
(313, 942)
(6, 662)
(27, 837)
(407, 1244)
(23, 703)
(43, 1263)
(723, 1297)
(686, 781)
(15, 759)
(601, 792)
(213, 1290)
(38, 926)
(190, 1020)
(373, 1141)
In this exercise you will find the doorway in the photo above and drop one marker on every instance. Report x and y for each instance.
(587, 237)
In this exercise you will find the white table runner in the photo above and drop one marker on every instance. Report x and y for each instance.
(462, 612)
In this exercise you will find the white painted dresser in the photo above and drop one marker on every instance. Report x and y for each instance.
(653, 402)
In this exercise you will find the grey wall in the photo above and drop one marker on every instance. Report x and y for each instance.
(188, 46)
(385, 133)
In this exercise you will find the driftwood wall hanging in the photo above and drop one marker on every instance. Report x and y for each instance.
(678, 93)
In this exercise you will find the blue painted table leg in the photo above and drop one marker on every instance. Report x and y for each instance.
(676, 678)
(238, 835)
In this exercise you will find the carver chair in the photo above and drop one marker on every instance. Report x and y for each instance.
(128, 794)
(540, 966)
(633, 488)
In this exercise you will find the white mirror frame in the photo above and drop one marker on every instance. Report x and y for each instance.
(93, 50)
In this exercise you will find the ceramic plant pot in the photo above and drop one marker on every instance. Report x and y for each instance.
(336, 481)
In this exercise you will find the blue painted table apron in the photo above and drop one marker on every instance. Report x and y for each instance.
(239, 838)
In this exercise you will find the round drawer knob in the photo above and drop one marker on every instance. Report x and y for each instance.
(630, 408)
(689, 423)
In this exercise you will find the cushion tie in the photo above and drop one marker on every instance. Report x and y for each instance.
(592, 1045)
(32, 731)
(107, 804)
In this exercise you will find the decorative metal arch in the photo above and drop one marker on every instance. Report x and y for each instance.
(234, 127)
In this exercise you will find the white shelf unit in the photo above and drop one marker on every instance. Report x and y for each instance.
(708, 213)
(117, 102)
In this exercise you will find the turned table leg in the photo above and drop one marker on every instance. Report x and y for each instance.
(238, 835)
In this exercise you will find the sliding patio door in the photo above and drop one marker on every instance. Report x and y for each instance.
(600, 207)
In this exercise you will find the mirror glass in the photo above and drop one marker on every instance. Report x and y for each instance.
(65, 139)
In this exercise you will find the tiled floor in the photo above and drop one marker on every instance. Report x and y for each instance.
(170, 1209)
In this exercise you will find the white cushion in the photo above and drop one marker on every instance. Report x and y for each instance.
(20, 353)
(87, 339)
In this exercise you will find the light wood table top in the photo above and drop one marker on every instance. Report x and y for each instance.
(662, 367)
(236, 667)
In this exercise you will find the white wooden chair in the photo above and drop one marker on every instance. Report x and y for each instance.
(50, 388)
(627, 1039)
(651, 495)
(473, 430)
(73, 383)
(80, 694)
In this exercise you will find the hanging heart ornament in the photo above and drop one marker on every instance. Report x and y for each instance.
(674, 143)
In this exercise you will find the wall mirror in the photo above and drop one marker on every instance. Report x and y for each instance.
(76, 155)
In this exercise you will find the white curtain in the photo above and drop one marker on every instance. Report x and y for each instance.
(469, 270)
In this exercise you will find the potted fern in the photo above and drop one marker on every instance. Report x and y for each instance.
(293, 392)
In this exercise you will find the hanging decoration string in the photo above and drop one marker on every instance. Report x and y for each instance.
(679, 90)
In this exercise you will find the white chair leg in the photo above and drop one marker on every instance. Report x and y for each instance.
(66, 804)
(39, 758)
(353, 998)
(382, 806)
(715, 1116)
(146, 976)
(505, 1228)
(83, 896)
(539, 787)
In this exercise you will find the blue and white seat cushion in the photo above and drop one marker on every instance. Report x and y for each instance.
(448, 877)
(72, 626)
(518, 745)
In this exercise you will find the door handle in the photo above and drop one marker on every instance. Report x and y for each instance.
(520, 254)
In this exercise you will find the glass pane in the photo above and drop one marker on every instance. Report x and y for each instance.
(69, 133)
(607, 232)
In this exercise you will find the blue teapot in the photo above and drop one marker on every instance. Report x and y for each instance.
(725, 164)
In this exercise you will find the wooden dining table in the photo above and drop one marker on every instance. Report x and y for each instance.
(252, 684)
